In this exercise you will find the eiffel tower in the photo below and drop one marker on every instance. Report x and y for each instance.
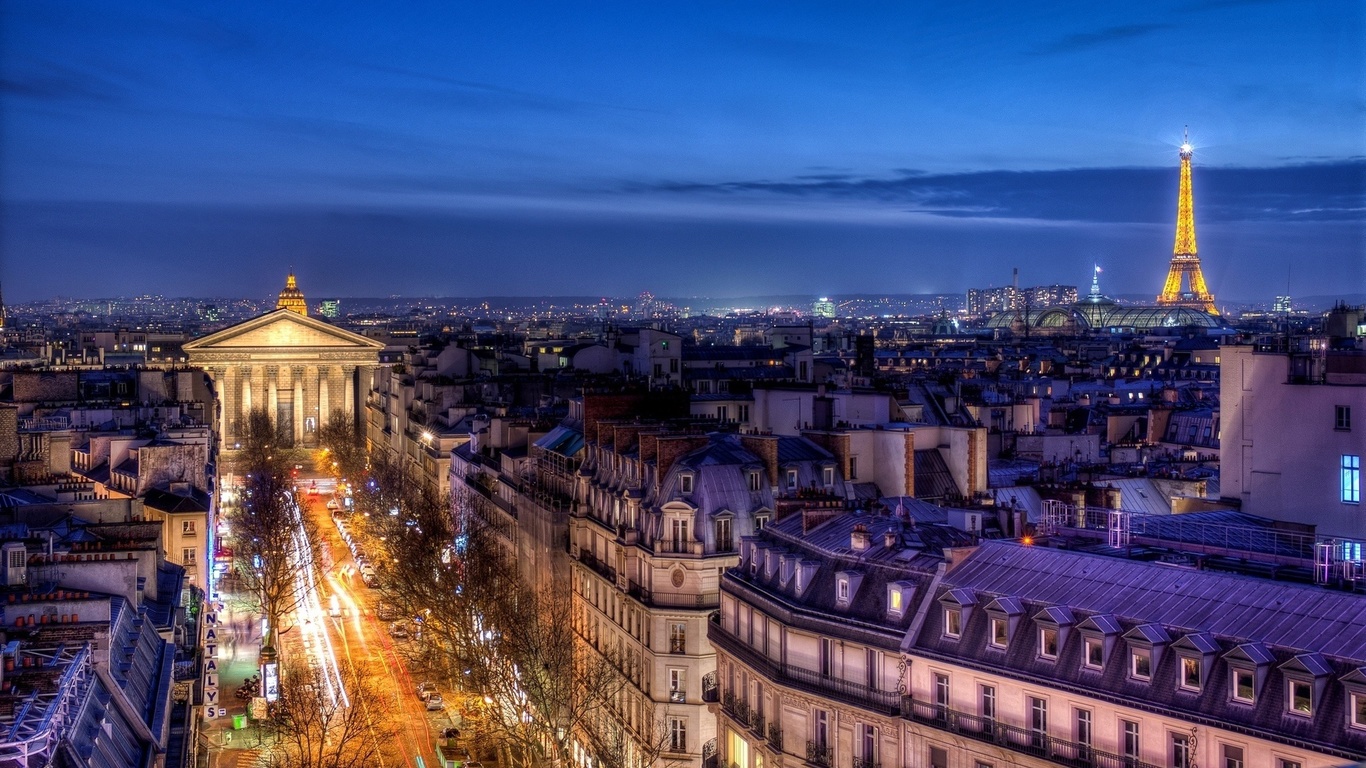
(1185, 261)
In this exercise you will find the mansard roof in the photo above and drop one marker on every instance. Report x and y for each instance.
(1230, 606)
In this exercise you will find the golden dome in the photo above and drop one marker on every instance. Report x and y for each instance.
(292, 298)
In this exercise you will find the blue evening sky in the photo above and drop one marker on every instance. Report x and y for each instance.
(734, 148)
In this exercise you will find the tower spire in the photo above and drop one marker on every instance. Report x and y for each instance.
(1185, 266)
(1095, 281)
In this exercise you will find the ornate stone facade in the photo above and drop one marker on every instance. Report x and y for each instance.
(298, 368)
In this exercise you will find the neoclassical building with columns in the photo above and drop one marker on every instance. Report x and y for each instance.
(298, 368)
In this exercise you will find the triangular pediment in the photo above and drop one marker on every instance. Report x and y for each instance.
(282, 329)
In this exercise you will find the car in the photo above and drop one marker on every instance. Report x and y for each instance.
(398, 630)
(368, 576)
(435, 702)
(332, 505)
(425, 689)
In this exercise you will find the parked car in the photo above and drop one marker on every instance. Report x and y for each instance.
(426, 689)
(435, 702)
(368, 575)
(398, 630)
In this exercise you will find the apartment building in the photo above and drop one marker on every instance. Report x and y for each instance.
(661, 515)
(1294, 430)
(867, 641)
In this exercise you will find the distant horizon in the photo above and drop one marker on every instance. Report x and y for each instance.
(769, 300)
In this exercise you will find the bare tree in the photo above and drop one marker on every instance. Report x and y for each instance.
(316, 727)
(272, 536)
(343, 449)
(487, 631)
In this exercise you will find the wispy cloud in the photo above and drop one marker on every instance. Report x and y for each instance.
(494, 93)
(1331, 190)
(46, 81)
(1087, 40)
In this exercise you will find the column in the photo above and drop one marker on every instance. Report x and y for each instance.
(324, 409)
(297, 375)
(273, 394)
(220, 387)
(349, 373)
(310, 382)
(244, 373)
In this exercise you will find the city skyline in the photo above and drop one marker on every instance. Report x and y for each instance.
(541, 150)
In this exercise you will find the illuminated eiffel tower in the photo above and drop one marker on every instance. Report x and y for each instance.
(1185, 261)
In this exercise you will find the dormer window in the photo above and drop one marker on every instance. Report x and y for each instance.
(1248, 665)
(846, 586)
(828, 476)
(1306, 678)
(1244, 684)
(1190, 673)
(1048, 642)
(1299, 697)
(953, 622)
(685, 483)
(1140, 664)
(1000, 632)
(1095, 653)
(899, 598)
(792, 479)
(753, 477)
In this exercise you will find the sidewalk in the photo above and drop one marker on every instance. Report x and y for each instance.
(238, 655)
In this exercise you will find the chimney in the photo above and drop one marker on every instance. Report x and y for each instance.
(766, 448)
(669, 449)
(889, 539)
(859, 538)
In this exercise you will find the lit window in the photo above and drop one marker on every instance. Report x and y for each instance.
(1301, 697)
(1244, 686)
(953, 622)
(1095, 653)
(1351, 479)
(1190, 673)
(894, 601)
(1048, 643)
(1000, 633)
(1140, 664)
(1358, 713)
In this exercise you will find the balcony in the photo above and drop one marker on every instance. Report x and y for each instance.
(735, 707)
(710, 689)
(602, 569)
(887, 702)
(1014, 738)
(817, 754)
(756, 721)
(862, 762)
(775, 736)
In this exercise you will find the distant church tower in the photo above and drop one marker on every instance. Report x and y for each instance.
(1185, 266)
(292, 298)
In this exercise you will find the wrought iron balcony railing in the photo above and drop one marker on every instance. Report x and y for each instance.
(818, 754)
(1023, 740)
(775, 736)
